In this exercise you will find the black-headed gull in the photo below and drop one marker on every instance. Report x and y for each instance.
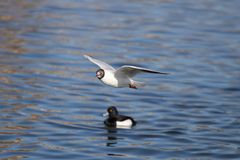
(121, 77)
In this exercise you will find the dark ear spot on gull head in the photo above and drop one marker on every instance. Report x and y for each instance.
(100, 73)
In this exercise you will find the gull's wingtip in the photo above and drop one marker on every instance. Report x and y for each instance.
(164, 73)
(86, 56)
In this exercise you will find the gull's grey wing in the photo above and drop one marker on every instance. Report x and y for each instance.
(101, 64)
(131, 71)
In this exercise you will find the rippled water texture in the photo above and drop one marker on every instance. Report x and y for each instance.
(51, 103)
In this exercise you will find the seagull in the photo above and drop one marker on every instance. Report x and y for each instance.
(121, 77)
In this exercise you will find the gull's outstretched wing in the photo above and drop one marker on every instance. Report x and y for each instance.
(101, 64)
(131, 71)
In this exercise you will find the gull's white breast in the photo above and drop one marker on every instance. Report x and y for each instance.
(109, 78)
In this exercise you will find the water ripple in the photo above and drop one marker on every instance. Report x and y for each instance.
(51, 103)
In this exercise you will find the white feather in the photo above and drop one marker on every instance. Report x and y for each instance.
(109, 79)
(101, 64)
(124, 124)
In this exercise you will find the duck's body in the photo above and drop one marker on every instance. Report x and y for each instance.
(118, 121)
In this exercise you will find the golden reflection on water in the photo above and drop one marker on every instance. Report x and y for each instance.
(16, 133)
(14, 17)
(14, 20)
(14, 158)
(9, 143)
(11, 43)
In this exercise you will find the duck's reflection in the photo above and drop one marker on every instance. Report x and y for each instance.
(111, 137)
(112, 140)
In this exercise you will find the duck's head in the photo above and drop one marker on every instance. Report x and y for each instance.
(111, 111)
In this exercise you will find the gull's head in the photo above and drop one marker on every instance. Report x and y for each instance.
(100, 73)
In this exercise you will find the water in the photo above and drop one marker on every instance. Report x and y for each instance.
(51, 104)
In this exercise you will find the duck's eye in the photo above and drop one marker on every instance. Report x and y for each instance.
(110, 110)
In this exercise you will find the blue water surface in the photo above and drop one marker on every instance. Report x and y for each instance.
(51, 103)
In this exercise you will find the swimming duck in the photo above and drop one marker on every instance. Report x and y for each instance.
(116, 120)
